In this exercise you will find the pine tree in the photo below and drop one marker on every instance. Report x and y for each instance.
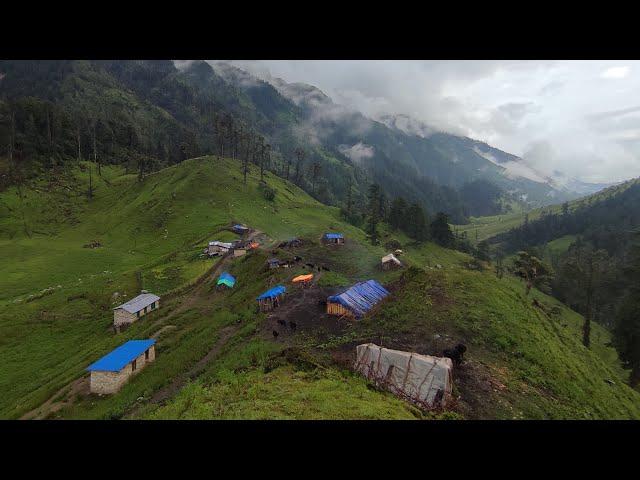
(374, 212)
(627, 330)
(441, 231)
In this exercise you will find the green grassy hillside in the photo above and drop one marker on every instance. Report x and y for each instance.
(483, 228)
(217, 357)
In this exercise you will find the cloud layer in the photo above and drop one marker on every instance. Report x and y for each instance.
(578, 117)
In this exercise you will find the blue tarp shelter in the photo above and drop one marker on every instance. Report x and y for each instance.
(272, 292)
(240, 228)
(226, 279)
(271, 298)
(117, 359)
(357, 300)
(333, 236)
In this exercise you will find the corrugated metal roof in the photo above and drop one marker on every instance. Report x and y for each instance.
(138, 303)
(215, 243)
(115, 360)
(273, 292)
(333, 236)
(361, 297)
(226, 279)
(240, 227)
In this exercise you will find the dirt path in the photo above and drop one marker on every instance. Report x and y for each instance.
(62, 398)
(188, 299)
(178, 382)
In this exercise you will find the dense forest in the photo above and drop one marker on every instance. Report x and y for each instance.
(597, 274)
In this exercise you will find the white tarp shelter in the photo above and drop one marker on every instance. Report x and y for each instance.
(421, 379)
(391, 260)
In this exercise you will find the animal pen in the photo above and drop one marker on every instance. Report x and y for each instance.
(422, 379)
(137, 307)
(357, 300)
(271, 298)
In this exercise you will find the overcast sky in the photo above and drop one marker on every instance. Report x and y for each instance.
(579, 117)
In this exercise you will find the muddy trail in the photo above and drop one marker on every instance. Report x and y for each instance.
(178, 382)
(191, 297)
(302, 313)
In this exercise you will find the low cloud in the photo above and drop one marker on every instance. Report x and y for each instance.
(580, 108)
(358, 152)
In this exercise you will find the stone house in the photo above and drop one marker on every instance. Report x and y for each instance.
(114, 369)
(135, 308)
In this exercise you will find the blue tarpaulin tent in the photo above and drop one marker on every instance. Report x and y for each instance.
(227, 280)
(121, 356)
(358, 299)
(333, 236)
(240, 229)
(272, 292)
(271, 298)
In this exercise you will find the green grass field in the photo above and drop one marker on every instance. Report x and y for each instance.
(56, 300)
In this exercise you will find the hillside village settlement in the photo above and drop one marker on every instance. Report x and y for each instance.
(420, 379)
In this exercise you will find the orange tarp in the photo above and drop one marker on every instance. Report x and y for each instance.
(303, 278)
(254, 245)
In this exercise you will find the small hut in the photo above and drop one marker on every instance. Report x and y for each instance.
(303, 280)
(241, 247)
(114, 369)
(357, 300)
(226, 280)
(240, 229)
(333, 239)
(135, 308)
(218, 248)
(390, 261)
(273, 263)
(271, 298)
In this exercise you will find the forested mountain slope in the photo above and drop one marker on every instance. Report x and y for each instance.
(149, 114)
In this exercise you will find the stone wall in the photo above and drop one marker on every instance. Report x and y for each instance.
(122, 317)
(106, 383)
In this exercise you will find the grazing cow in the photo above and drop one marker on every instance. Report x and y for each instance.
(275, 334)
(282, 322)
(455, 354)
(293, 326)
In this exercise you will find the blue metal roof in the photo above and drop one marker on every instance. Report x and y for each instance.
(273, 292)
(333, 235)
(227, 279)
(118, 358)
(240, 227)
(361, 297)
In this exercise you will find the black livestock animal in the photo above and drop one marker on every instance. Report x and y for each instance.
(456, 353)
(282, 322)
(293, 326)
(275, 334)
